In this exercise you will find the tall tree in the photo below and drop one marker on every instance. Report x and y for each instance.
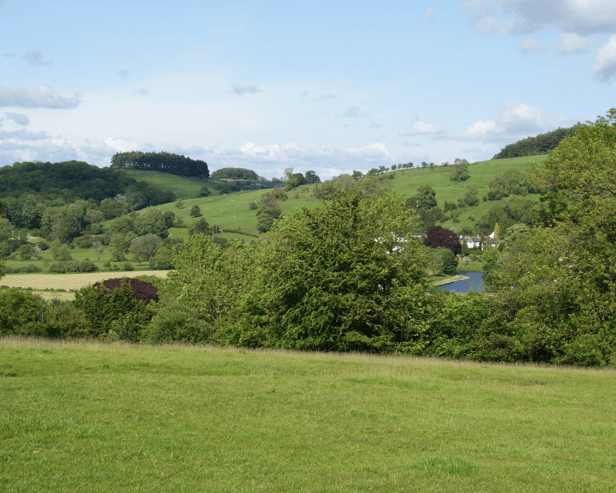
(345, 276)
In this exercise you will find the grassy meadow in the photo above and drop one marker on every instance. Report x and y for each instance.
(232, 211)
(85, 416)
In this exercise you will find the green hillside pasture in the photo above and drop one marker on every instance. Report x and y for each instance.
(97, 418)
(482, 173)
(45, 258)
(181, 187)
(232, 211)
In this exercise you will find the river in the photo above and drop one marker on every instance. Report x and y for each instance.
(473, 283)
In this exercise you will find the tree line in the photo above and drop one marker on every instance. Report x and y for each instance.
(163, 162)
(539, 144)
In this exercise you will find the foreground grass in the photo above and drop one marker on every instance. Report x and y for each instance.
(91, 417)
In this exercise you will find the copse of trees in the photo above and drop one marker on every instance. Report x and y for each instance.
(68, 181)
(234, 174)
(557, 282)
(539, 144)
(163, 162)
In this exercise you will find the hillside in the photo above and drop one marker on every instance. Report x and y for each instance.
(231, 211)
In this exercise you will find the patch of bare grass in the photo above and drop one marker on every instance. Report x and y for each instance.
(70, 282)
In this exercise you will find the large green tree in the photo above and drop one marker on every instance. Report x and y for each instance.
(346, 276)
(558, 282)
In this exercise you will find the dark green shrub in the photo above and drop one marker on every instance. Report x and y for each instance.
(72, 266)
(105, 303)
(19, 313)
(66, 320)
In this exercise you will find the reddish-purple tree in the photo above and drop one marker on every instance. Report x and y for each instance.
(142, 290)
(441, 237)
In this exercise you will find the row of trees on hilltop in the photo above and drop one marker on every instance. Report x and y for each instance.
(163, 162)
(539, 144)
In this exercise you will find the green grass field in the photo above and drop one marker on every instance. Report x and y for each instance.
(97, 418)
(231, 210)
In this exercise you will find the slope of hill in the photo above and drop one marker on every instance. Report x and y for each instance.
(232, 211)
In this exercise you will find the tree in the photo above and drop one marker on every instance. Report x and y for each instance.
(151, 221)
(470, 196)
(204, 294)
(204, 192)
(118, 245)
(199, 226)
(425, 198)
(295, 180)
(459, 170)
(557, 283)
(179, 203)
(437, 236)
(268, 210)
(97, 249)
(346, 276)
(312, 178)
(195, 211)
(145, 247)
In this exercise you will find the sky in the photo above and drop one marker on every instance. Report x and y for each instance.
(331, 86)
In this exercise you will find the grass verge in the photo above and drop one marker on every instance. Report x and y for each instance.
(91, 417)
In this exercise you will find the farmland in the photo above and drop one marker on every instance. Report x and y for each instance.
(85, 416)
(232, 211)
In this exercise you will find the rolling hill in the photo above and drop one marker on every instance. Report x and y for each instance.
(231, 211)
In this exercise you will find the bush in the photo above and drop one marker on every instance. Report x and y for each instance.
(24, 269)
(72, 266)
(112, 300)
(65, 320)
(20, 313)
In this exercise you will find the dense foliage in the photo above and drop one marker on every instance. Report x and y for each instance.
(437, 236)
(163, 162)
(69, 180)
(346, 276)
(557, 283)
(234, 174)
(540, 144)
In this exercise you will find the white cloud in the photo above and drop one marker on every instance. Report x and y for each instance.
(422, 128)
(36, 58)
(21, 134)
(513, 120)
(529, 45)
(375, 150)
(569, 43)
(121, 145)
(18, 118)
(605, 59)
(251, 89)
(328, 96)
(432, 16)
(504, 17)
(41, 96)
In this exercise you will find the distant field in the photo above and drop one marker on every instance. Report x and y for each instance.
(85, 416)
(69, 282)
(232, 211)
(181, 187)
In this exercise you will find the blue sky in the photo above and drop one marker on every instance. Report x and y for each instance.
(330, 86)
